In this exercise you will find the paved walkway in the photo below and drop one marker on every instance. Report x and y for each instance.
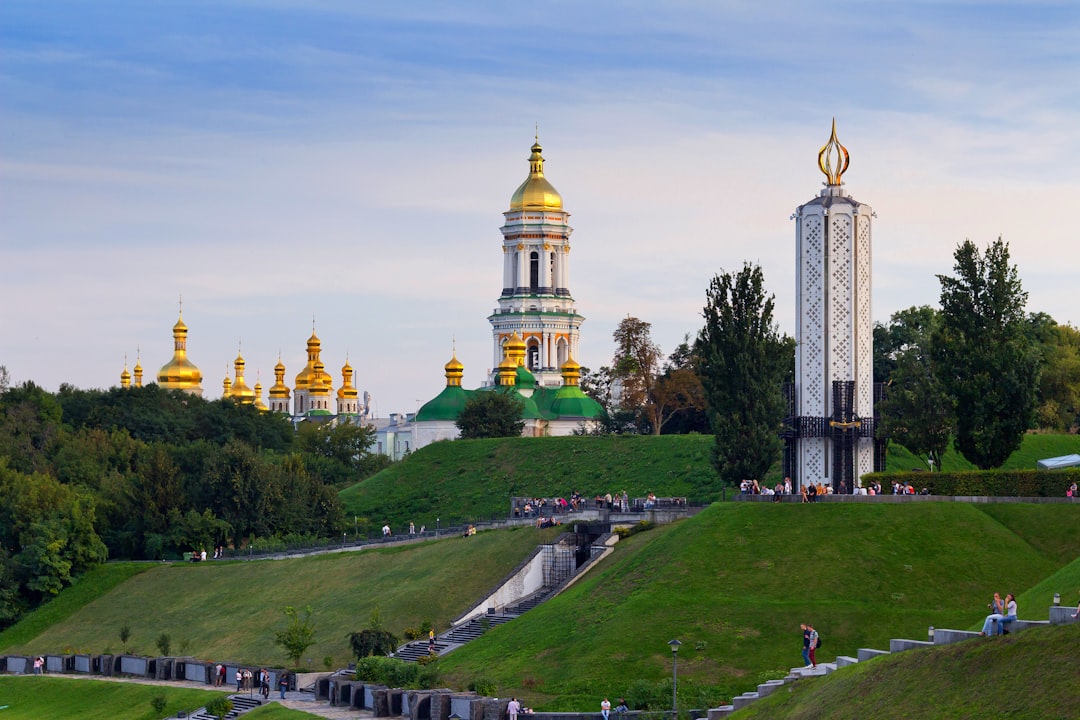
(293, 700)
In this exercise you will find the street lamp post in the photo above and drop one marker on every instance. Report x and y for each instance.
(674, 678)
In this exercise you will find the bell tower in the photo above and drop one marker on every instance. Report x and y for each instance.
(535, 301)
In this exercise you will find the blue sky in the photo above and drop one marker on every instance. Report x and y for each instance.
(275, 161)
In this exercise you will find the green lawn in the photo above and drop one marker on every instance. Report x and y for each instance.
(467, 480)
(85, 589)
(34, 698)
(734, 582)
(1028, 676)
(230, 610)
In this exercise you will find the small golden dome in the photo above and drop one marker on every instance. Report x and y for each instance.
(571, 371)
(454, 371)
(240, 391)
(125, 377)
(347, 391)
(536, 193)
(259, 404)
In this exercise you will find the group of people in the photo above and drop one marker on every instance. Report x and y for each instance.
(811, 641)
(1001, 612)
(244, 679)
(605, 708)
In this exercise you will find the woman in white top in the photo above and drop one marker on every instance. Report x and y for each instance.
(1010, 614)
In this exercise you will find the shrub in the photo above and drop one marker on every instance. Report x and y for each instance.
(219, 707)
(483, 686)
(990, 483)
(389, 671)
(158, 702)
(164, 643)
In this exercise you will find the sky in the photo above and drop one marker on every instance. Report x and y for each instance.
(281, 163)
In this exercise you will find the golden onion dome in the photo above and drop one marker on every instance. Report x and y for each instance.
(259, 404)
(125, 377)
(180, 373)
(347, 391)
(571, 371)
(536, 193)
(240, 390)
(454, 371)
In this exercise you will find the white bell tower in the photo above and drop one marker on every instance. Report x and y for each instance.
(535, 301)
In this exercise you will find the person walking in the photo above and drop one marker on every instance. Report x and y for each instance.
(813, 644)
(605, 708)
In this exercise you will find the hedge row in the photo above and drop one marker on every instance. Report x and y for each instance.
(991, 483)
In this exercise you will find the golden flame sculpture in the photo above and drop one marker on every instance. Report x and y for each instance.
(829, 151)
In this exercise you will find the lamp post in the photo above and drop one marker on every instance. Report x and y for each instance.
(1057, 599)
(674, 677)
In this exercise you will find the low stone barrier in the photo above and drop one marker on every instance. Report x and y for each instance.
(1062, 615)
(900, 645)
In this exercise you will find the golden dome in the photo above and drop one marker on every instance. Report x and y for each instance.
(321, 384)
(507, 372)
(571, 371)
(240, 391)
(180, 373)
(454, 371)
(347, 391)
(125, 377)
(307, 377)
(259, 404)
(514, 349)
(279, 390)
(137, 374)
(536, 193)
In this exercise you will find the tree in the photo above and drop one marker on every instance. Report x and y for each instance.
(744, 362)
(679, 393)
(298, 636)
(1059, 379)
(983, 354)
(635, 369)
(345, 442)
(372, 640)
(917, 412)
(491, 414)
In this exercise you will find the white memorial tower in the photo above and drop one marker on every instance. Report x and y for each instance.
(535, 301)
(830, 428)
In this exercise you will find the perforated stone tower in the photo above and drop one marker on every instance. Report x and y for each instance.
(830, 424)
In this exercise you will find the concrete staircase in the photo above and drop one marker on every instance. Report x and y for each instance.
(241, 705)
(941, 636)
(457, 636)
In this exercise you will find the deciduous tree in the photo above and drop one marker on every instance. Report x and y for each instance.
(983, 354)
(491, 414)
(635, 369)
(744, 362)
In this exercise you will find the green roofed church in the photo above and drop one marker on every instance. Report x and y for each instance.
(535, 329)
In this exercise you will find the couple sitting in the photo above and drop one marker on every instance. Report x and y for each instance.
(1001, 612)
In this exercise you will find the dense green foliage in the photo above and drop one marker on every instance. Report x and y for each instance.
(744, 361)
(1028, 676)
(493, 414)
(993, 483)
(983, 354)
(917, 411)
(148, 473)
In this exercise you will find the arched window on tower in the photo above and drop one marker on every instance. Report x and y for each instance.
(534, 271)
(534, 357)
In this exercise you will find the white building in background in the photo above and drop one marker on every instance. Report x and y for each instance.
(830, 436)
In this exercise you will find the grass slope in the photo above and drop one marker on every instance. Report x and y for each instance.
(230, 610)
(85, 589)
(467, 480)
(32, 698)
(1027, 676)
(475, 479)
(734, 582)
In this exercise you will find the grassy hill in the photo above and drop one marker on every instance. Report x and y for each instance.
(230, 610)
(1027, 676)
(466, 480)
(734, 582)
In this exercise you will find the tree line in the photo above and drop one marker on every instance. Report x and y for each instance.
(148, 473)
(977, 371)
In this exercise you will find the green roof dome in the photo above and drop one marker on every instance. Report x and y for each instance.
(447, 405)
(570, 401)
